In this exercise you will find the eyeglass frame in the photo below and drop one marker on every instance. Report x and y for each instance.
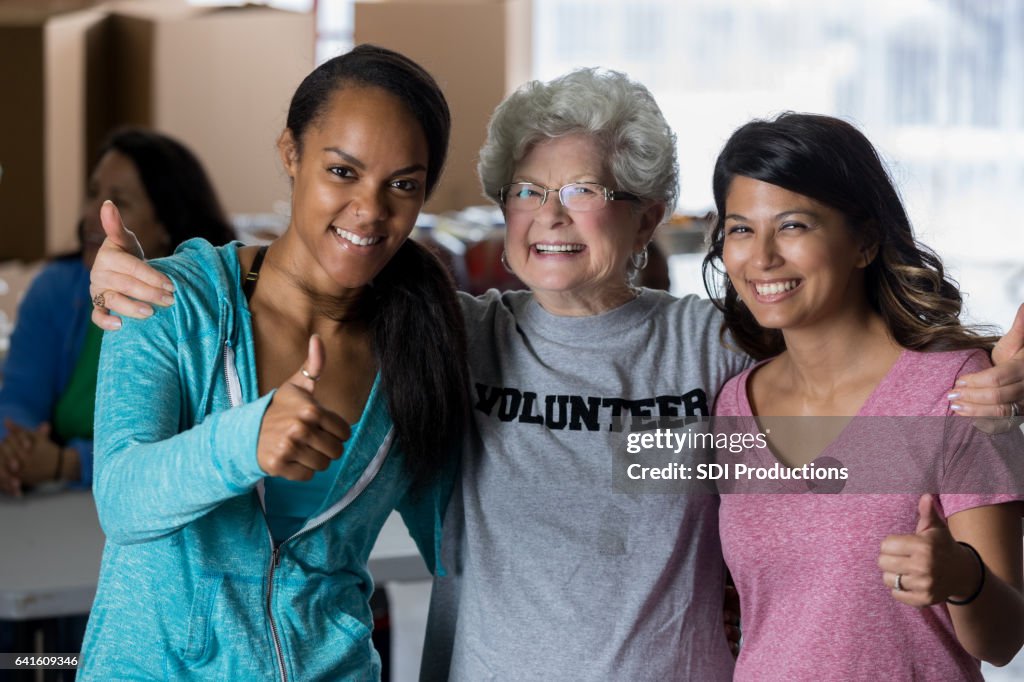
(609, 195)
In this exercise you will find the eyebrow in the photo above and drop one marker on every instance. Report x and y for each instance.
(778, 216)
(571, 182)
(362, 166)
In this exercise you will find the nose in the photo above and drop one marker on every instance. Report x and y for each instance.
(766, 256)
(369, 204)
(552, 213)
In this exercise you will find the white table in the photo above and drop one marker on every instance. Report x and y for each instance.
(51, 545)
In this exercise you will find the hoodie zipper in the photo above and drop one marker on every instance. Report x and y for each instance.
(371, 471)
(235, 399)
(231, 376)
(275, 561)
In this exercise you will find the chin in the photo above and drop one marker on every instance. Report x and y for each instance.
(773, 323)
(553, 282)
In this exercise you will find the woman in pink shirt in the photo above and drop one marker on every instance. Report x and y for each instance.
(824, 281)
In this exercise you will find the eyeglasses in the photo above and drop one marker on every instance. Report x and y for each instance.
(576, 196)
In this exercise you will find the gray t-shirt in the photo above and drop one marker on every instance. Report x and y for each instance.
(553, 574)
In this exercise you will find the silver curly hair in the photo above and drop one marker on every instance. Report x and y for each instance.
(618, 112)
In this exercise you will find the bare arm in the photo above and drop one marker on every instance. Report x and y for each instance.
(932, 567)
(992, 626)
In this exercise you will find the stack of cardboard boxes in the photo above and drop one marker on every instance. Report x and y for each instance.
(217, 78)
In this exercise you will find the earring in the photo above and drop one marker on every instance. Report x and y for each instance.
(504, 262)
(639, 259)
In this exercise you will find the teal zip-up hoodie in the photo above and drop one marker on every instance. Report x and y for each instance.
(191, 586)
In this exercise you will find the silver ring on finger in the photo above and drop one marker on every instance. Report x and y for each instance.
(898, 584)
(1014, 410)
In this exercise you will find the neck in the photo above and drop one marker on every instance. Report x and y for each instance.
(585, 303)
(842, 351)
(293, 296)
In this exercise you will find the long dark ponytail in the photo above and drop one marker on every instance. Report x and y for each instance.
(419, 338)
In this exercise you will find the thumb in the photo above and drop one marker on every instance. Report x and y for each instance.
(44, 429)
(309, 373)
(117, 233)
(1012, 343)
(928, 516)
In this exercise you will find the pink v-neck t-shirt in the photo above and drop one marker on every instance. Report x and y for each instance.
(813, 602)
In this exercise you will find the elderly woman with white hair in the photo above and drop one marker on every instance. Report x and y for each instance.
(557, 576)
(552, 572)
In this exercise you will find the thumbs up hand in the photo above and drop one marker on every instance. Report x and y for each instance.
(929, 566)
(299, 437)
(120, 281)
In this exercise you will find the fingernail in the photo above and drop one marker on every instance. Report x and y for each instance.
(956, 407)
(107, 201)
(114, 325)
(167, 300)
(953, 396)
(169, 287)
(961, 382)
(145, 311)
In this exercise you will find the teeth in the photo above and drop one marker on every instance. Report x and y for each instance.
(355, 238)
(558, 248)
(776, 287)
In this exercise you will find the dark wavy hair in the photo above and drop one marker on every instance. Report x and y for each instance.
(418, 331)
(176, 183)
(832, 162)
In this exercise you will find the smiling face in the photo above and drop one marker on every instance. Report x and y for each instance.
(793, 260)
(358, 184)
(575, 262)
(116, 178)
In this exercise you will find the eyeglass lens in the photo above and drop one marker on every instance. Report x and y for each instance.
(578, 196)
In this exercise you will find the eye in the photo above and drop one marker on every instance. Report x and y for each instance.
(581, 190)
(793, 225)
(342, 171)
(406, 185)
(525, 191)
(737, 229)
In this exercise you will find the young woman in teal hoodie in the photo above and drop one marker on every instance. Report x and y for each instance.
(252, 439)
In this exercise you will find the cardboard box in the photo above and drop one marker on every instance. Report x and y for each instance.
(220, 80)
(49, 51)
(478, 50)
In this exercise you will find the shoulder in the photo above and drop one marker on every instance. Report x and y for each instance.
(732, 400)
(698, 325)
(691, 313)
(199, 270)
(920, 381)
(493, 302)
(206, 282)
(940, 369)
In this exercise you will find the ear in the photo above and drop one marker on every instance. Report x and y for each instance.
(650, 218)
(288, 148)
(867, 254)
